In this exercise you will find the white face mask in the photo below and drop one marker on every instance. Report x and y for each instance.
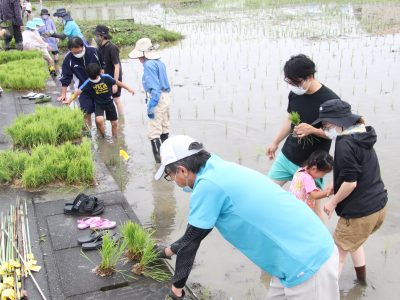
(80, 55)
(331, 133)
(95, 80)
(298, 90)
(187, 188)
(45, 17)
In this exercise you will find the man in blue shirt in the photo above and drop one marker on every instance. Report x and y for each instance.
(266, 223)
(157, 88)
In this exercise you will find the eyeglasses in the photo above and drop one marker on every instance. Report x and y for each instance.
(294, 83)
(168, 176)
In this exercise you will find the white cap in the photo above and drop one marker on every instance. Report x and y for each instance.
(173, 149)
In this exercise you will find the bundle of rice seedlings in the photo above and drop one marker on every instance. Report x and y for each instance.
(47, 125)
(135, 240)
(149, 264)
(7, 56)
(110, 253)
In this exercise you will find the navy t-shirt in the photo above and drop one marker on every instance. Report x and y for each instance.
(101, 92)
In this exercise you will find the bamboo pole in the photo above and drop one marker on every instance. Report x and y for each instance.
(24, 262)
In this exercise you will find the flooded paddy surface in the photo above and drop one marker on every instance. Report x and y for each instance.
(228, 92)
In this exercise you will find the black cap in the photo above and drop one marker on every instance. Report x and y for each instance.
(337, 112)
(44, 11)
(60, 12)
(103, 31)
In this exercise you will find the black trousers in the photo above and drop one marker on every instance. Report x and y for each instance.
(15, 31)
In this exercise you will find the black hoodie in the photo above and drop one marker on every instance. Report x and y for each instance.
(356, 160)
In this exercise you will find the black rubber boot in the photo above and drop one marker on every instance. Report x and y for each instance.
(155, 145)
(163, 137)
(361, 273)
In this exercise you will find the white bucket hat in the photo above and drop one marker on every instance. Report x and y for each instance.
(145, 48)
(173, 149)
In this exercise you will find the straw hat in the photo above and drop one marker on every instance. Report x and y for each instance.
(145, 48)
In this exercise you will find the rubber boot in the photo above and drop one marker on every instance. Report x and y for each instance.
(156, 144)
(163, 137)
(19, 46)
(7, 45)
(52, 71)
(361, 274)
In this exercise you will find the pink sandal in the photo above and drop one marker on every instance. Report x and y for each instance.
(103, 224)
(86, 222)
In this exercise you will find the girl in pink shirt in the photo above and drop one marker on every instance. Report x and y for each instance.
(303, 183)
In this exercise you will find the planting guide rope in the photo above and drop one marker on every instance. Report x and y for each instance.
(15, 239)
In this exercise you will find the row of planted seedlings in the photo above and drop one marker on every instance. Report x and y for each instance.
(48, 149)
(135, 246)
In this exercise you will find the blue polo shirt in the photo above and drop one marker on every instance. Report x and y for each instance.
(101, 92)
(280, 234)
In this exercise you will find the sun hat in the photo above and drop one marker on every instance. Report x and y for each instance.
(144, 47)
(173, 149)
(103, 31)
(44, 12)
(60, 12)
(38, 21)
(337, 112)
(31, 25)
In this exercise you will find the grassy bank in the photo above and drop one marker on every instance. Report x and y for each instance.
(23, 70)
(126, 33)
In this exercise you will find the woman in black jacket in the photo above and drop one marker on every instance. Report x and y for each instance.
(360, 196)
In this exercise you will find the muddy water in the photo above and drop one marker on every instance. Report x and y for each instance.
(228, 92)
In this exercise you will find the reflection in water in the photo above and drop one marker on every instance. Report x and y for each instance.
(163, 216)
(357, 292)
(228, 92)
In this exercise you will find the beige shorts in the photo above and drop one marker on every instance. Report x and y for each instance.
(160, 123)
(323, 285)
(350, 234)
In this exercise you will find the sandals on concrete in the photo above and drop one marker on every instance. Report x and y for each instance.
(84, 205)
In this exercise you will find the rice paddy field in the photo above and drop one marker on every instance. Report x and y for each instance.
(228, 92)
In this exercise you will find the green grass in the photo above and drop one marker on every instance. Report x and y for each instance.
(126, 33)
(47, 125)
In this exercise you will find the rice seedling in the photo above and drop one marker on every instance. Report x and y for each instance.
(47, 125)
(110, 254)
(135, 240)
(7, 56)
(17, 75)
(149, 265)
(294, 118)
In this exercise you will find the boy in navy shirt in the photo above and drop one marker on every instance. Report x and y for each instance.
(99, 87)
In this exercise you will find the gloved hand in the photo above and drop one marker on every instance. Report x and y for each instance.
(171, 296)
(150, 112)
